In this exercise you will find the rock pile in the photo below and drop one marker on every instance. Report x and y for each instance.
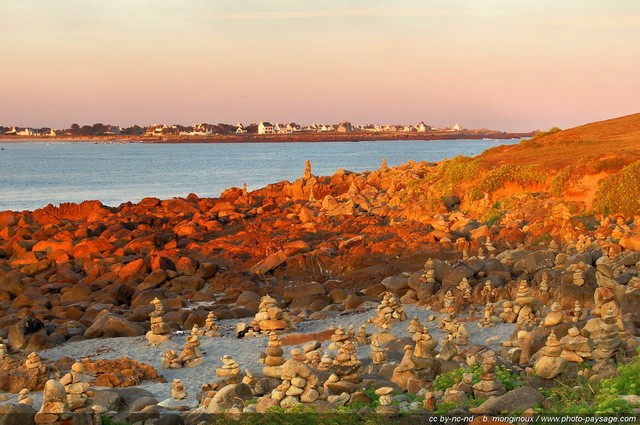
(54, 409)
(271, 318)
(299, 384)
(76, 387)
(210, 328)
(550, 364)
(489, 385)
(160, 331)
(390, 310)
(345, 368)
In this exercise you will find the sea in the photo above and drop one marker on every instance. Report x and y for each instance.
(35, 174)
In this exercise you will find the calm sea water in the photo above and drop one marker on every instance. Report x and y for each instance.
(34, 174)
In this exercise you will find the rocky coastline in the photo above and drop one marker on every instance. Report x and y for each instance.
(344, 283)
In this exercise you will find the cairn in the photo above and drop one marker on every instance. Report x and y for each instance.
(378, 352)
(414, 325)
(489, 318)
(487, 293)
(191, 354)
(271, 318)
(345, 368)
(170, 360)
(325, 363)
(575, 347)
(465, 288)
(429, 275)
(273, 357)
(210, 328)
(609, 346)
(553, 318)
(525, 305)
(338, 339)
(508, 315)
(489, 385)
(389, 310)
(448, 303)
(425, 349)
(160, 331)
(34, 364)
(177, 390)
(3, 349)
(195, 330)
(229, 367)
(24, 397)
(55, 408)
(362, 337)
(578, 312)
(550, 364)
(76, 387)
(298, 385)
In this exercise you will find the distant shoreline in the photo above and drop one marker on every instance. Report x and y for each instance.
(282, 138)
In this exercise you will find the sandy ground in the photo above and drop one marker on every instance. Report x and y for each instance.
(245, 351)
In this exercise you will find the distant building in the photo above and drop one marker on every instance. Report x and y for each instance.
(457, 127)
(265, 127)
(240, 128)
(422, 127)
(282, 129)
(345, 127)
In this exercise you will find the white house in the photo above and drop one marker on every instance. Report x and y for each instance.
(281, 129)
(265, 127)
(422, 127)
(457, 127)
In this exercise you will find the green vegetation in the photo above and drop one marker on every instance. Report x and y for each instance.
(619, 193)
(559, 182)
(508, 377)
(455, 171)
(521, 174)
(552, 130)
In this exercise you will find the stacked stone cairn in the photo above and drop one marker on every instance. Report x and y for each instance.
(508, 315)
(177, 390)
(384, 335)
(170, 360)
(24, 397)
(390, 310)
(550, 364)
(362, 337)
(525, 305)
(449, 303)
(34, 365)
(3, 349)
(54, 409)
(210, 328)
(609, 346)
(378, 352)
(271, 318)
(299, 384)
(414, 325)
(191, 354)
(575, 347)
(554, 317)
(338, 339)
(76, 387)
(160, 331)
(345, 368)
(579, 313)
(273, 359)
(489, 318)
(465, 288)
(489, 385)
(229, 369)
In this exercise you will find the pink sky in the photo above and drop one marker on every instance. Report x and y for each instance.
(515, 66)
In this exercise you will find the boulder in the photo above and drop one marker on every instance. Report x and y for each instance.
(515, 401)
(112, 325)
(228, 397)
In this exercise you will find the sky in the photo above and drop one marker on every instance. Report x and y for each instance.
(499, 64)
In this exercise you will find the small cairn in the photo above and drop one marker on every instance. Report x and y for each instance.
(55, 408)
(362, 337)
(553, 318)
(24, 397)
(544, 283)
(170, 360)
(465, 288)
(424, 351)
(550, 364)
(389, 310)
(210, 328)
(609, 346)
(298, 385)
(273, 358)
(489, 318)
(160, 331)
(429, 275)
(414, 325)
(508, 315)
(312, 353)
(338, 339)
(579, 313)
(229, 367)
(34, 364)
(449, 303)
(325, 363)
(378, 352)
(345, 368)
(525, 305)
(575, 347)
(177, 390)
(489, 385)
(271, 318)
(191, 354)
(487, 293)
(386, 408)
(76, 387)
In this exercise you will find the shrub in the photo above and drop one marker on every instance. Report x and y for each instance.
(456, 170)
(521, 174)
(561, 179)
(618, 193)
